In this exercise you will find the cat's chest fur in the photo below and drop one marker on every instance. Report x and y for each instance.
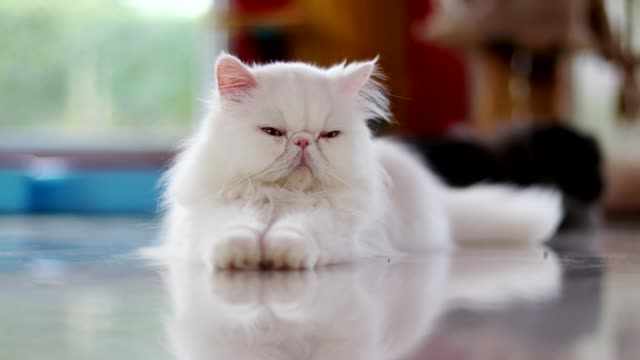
(277, 199)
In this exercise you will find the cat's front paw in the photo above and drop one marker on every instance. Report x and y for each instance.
(287, 247)
(237, 248)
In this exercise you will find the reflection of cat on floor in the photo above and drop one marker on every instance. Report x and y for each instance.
(366, 311)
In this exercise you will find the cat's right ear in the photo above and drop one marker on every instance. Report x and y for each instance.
(356, 75)
(233, 77)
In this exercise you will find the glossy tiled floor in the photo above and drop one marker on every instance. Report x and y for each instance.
(72, 289)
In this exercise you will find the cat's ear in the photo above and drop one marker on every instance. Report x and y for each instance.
(356, 75)
(361, 80)
(232, 76)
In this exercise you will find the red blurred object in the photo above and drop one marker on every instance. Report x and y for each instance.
(253, 7)
(258, 44)
(437, 80)
(243, 45)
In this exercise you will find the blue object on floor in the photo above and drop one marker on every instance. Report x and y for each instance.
(104, 191)
(98, 191)
(14, 191)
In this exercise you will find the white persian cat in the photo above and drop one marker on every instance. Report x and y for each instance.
(284, 173)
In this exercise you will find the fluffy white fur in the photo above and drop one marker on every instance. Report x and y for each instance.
(240, 197)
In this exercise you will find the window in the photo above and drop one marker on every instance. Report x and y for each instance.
(597, 83)
(102, 73)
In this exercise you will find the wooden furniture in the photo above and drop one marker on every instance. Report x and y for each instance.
(518, 50)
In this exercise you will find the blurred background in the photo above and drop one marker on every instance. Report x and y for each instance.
(97, 94)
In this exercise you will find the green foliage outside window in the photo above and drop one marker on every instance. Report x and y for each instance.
(97, 66)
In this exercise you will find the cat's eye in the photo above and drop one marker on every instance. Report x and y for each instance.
(330, 134)
(272, 131)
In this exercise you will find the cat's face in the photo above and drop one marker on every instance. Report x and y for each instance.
(292, 124)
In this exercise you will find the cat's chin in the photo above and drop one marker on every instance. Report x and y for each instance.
(300, 178)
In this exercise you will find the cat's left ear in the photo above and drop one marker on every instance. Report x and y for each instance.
(356, 75)
(232, 76)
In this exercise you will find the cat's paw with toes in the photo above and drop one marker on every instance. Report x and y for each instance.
(237, 248)
(288, 248)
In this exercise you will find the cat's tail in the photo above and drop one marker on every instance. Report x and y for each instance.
(490, 214)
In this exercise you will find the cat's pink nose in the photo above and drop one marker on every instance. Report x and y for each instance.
(302, 142)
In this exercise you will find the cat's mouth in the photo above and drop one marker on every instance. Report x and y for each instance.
(301, 175)
(302, 162)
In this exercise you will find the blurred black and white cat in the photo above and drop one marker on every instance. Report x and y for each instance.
(551, 153)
